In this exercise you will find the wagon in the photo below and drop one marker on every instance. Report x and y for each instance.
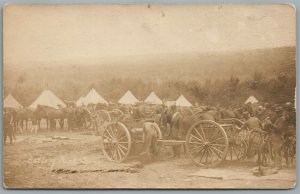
(207, 143)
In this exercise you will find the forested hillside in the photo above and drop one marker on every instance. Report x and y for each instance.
(227, 78)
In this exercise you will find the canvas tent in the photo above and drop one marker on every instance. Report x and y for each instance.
(251, 99)
(183, 102)
(79, 102)
(47, 98)
(128, 98)
(11, 102)
(153, 99)
(92, 98)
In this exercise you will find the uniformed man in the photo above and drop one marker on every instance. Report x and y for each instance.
(290, 114)
(252, 122)
(174, 120)
(8, 126)
(150, 141)
(278, 129)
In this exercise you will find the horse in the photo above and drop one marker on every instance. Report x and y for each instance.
(212, 115)
(69, 114)
(20, 115)
(81, 117)
(260, 145)
(50, 114)
(227, 113)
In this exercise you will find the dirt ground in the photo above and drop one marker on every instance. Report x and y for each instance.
(75, 160)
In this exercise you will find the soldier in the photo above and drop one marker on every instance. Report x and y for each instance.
(252, 122)
(290, 114)
(8, 126)
(175, 120)
(150, 141)
(278, 129)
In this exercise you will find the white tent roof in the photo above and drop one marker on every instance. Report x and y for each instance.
(153, 99)
(79, 102)
(128, 98)
(47, 98)
(251, 99)
(11, 102)
(93, 98)
(182, 101)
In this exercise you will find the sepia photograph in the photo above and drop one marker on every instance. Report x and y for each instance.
(149, 96)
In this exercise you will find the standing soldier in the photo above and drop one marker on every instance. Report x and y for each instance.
(150, 141)
(8, 126)
(175, 121)
(278, 128)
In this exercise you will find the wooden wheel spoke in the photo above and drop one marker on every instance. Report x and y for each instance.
(217, 150)
(112, 152)
(216, 144)
(215, 153)
(121, 146)
(198, 153)
(107, 137)
(113, 130)
(108, 132)
(210, 155)
(118, 151)
(202, 131)
(213, 135)
(121, 150)
(207, 155)
(197, 147)
(217, 139)
(121, 138)
(204, 152)
(201, 137)
(197, 138)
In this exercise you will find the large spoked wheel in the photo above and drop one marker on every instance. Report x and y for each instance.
(237, 149)
(207, 143)
(116, 142)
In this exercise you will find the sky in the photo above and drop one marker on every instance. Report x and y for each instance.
(91, 34)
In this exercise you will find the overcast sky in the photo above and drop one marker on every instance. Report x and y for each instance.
(49, 35)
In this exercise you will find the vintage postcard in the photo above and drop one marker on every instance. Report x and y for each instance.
(149, 96)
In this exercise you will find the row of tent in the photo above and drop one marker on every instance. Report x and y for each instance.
(128, 98)
(49, 99)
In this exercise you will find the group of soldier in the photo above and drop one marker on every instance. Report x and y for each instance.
(277, 121)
